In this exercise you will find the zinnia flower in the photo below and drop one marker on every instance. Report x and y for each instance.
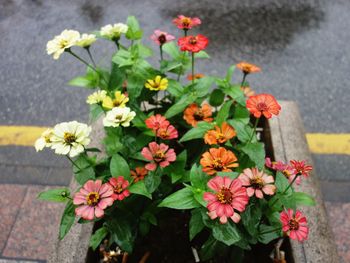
(138, 174)
(195, 76)
(119, 100)
(248, 92)
(265, 104)
(158, 154)
(220, 135)
(184, 22)
(60, 43)
(301, 168)
(229, 197)
(167, 132)
(193, 114)
(92, 199)
(248, 68)
(295, 226)
(119, 186)
(113, 32)
(96, 97)
(119, 116)
(70, 138)
(44, 140)
(86, 40)
(218, 160)
(161, 37)
(257, 182)
(193, 44)
(158, 83)
(156, 121)
(286, 169)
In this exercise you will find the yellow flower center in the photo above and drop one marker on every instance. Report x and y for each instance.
(257, 183)
(224, 196)
(186, 21)
(293, 224)
(118, 189)
(47, 139)
(63, 43)
(220, 136)
(217, 164)
(193, 40)
(69, 138)
(198, 115)
(92, 198)
(286, 173)
(159, 156)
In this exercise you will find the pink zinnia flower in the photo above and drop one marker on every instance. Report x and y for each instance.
(158, 154)
(119, 186)
(156, 121)
(295, 226)
(257, 182)
(286, 169)
(167, 132)
(92, 199)
(184, 22)
(300, 167)
(228, 198)
(161, 37)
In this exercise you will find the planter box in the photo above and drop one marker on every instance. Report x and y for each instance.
(287, 141)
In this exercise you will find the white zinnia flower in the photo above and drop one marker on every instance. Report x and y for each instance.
(86, 40)
(60, 43)
(113, 31)
(96, 97)
(44, 140)
(70, 138)
(119, 116)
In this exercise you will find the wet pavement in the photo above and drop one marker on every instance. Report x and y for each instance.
(302, 47)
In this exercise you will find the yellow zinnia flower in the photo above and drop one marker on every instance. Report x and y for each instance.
(119, 100)
(158, 83)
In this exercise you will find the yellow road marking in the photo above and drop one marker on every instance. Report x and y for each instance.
(329, 143)
(20, 135)
(319, 143)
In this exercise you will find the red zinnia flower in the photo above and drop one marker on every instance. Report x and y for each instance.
(300, 167)
(184, 22)
(295, 226)
(167, 132)
(229, 197)
(156, 121)
(119, 185)
(193, 43)
(138, 174)
(265, 104)
(158, 154)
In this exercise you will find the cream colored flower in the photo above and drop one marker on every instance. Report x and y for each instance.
(113, 32)
(119, 100)
(119, 116)
(44, 140)
(96, 97)
(60, 43)
(70, 138)
(86, 40)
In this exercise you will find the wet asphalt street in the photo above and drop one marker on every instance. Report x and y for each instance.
(302, 47)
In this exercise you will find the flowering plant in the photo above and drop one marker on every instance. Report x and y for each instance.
(186, 144)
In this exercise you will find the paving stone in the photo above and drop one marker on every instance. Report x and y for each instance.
(11, 199)
(35, 227)
(339, 214)
(3, 260)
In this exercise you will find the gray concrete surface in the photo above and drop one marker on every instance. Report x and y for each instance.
(302, 47)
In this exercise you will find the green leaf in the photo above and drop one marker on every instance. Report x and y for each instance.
(140, 188)
(201, 54)
(209, 248)
(202, 86)
(55, 195)
(267, 233)
(84, 175)
(198, 178)
(67, 219)
(121, 232)
(83, 82)
(216, 97)
(172, 50)
(235, 93)
(196, 223)
(180, 105)
(174, 88)
(95, 112)
(152, 181)
(182, 199)
(226, 233)
(243, 130)
(223, 113)
(231, 175)
(112, 141)
(134, 31)
(256, 153)
(119, 167)
(135, 86)
(197, 132)
(169, 66)
(251, 218)
(282, 183)
(229, 73)
(97, 237)
(303, 199)
(242, 114)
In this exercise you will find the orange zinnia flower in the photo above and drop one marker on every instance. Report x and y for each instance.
(265, 104)
(193, 114)
(218, 135)
(248, 68)
(138, 174)
(195, 76)
(248, 92)
(218, 160)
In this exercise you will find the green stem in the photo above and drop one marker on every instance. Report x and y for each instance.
(243, 80)
(185, 32)
(161, 52)
(192, 67)
(254, 130)
(73, 163)
(90, 55)
(291, 183)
